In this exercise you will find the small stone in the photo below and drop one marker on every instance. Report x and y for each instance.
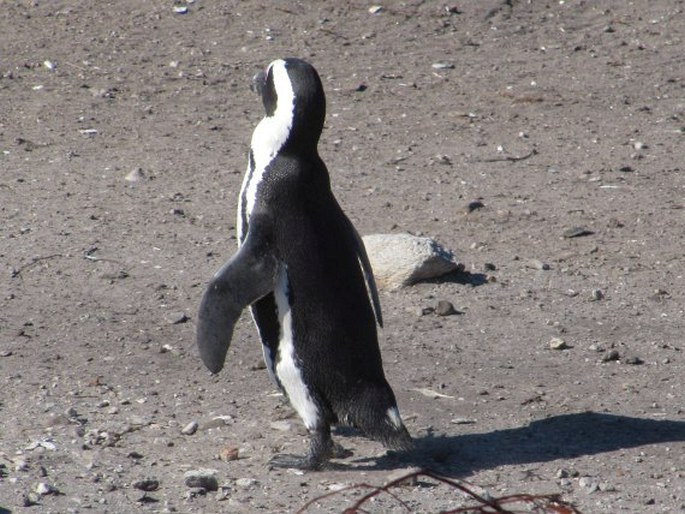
(229, 453)
(611, 355)
(135, 175)
(538, 264)
(445, 308)
(190, 428)
(474, 206)
(488, 266)
(407, 477)
(588, 483)
(176, 318)
(577, 232)
(557, 343)
(562, 473)
(44, 489)
(442, 66)
(245, 483)
(639, 145)
(201, 478)
(596, 295)
(282, 425)
(633, 360)
(626, 169)
(375, 9)
(181, 9)
(463, 421)
(30, 499)
(146, 484)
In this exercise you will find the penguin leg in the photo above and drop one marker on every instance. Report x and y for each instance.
(321, 449)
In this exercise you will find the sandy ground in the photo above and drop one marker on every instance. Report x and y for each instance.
(565, 119)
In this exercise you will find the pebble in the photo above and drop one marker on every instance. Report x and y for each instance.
(176, 318)
(442, 66)
(229, 453)
(135, 175)
(588, 483)
(407, 477)
(611, 355)
(556, 343)
(245, 483)
(596, 295)
(181, 9)
(445, 308)
(577, 232)
(146, 484)
(190, 428)
(283, 426)
(537, 264)
(633, 360)
(44, 489)
(201, 478)
(375, 9)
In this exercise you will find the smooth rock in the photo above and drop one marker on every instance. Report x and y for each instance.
(556, 343)
(445, 308)
(146, 484)
(201, 478)
(399, 260)
(190, 428)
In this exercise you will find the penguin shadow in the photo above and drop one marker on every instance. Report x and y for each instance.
(566, 436)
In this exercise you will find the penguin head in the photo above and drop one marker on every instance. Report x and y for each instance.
(294, 101)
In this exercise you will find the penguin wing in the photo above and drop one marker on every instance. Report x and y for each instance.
(360, 250)
(244, 279)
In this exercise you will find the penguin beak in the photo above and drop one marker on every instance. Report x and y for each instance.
(258, 83)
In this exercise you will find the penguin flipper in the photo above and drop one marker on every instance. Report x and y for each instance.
(242, 280)
(360, 250)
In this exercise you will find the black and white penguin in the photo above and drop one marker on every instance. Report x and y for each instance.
(303, 269)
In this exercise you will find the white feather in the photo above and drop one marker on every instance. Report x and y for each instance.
(288, 367)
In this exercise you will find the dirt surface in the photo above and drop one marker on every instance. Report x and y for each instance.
(563, 120)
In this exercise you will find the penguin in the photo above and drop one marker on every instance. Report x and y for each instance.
(302, 268)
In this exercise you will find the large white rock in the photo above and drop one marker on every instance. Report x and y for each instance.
(399, 260)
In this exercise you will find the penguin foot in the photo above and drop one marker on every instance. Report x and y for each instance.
(303, 462)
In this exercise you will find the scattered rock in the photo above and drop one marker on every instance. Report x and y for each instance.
(176, 318)
(633, 360)
(442, 66)
(400, 260)
(135, 175)
(537, 264)
(588, 483)
(577, 232)
(281, 425)
(611, 355)
(229, 453)
(245, 483)
(596, 295)
(405, 477)
(190, 428)
(556, 343)
(445, 308)
(463, 421)
(146, 484)
(488, 266)
(201, 478)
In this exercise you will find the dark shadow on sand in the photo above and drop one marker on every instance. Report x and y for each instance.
(559, 437)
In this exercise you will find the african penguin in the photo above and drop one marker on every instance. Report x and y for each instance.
(303, 269)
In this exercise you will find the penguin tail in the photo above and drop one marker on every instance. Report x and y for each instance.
(377, 415)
